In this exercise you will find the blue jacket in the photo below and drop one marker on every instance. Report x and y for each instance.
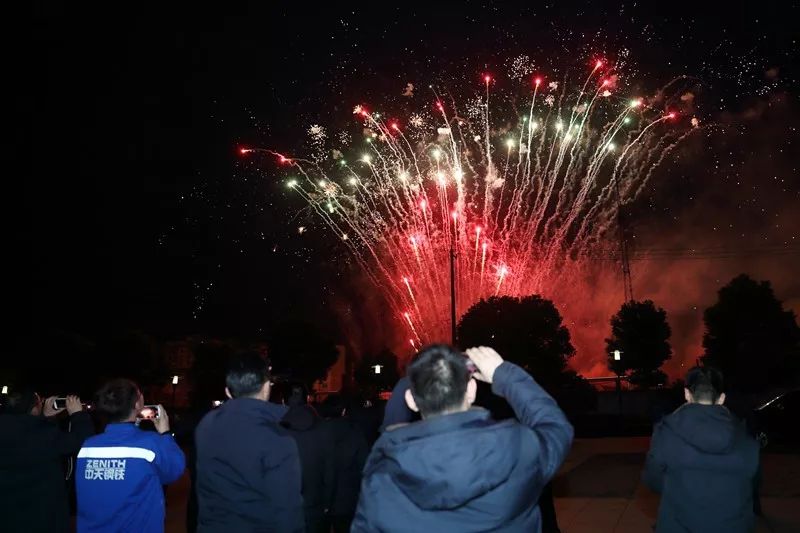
(248, 470)
(704, 464)
(119, 479)
(464, 471)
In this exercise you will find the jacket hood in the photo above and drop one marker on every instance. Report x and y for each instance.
(708, 428)
(444, 462)
(300, 418)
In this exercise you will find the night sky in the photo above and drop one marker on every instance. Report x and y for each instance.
(139, 212)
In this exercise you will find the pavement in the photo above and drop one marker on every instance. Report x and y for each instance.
(598, 490)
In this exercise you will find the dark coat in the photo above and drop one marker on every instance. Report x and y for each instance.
(464, 471)
(704, 464)
(315, 445)
(248, 470)
(350, 450)
(33, 493)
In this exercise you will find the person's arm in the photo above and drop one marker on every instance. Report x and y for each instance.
(170, 461)
(656, 465)
(531, 404)
(81, 428)
(281, 468)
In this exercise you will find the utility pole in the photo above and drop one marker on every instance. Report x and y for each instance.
(623, 246)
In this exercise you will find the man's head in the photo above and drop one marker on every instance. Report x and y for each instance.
(440, 382)
(22, 401)
(297, 396)
(120, 400)
(704, 386)
(247, 377)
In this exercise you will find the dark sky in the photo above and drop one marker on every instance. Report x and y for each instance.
(139, 213)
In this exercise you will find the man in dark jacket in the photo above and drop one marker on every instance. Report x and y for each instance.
(248, 467)
(350, 450)
(457, 469)
(315, 446)
(32, 448)
(703, 462)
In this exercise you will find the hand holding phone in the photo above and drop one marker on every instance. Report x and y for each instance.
(49, 406)
(161, 421)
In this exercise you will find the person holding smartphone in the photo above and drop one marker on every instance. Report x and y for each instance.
(121, 471)
(457, 469)
(32, 446)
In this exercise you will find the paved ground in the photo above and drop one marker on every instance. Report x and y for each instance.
(598, 491)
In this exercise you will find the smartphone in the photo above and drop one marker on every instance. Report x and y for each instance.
(59, 403)
(217, 403)
(148, 412)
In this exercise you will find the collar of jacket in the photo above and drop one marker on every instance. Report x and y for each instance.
(268, 410)
(473, 417)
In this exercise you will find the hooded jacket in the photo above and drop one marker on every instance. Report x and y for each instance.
(33, 493)
(248, 470)
(704, 464)
(464, 471)
(315, 446)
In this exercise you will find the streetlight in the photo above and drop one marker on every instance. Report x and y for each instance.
(174, 386)
(618, 357)
(376, 368)
(5, 389)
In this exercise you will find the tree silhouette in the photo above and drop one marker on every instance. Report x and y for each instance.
(527, 331)
(640, 331)
(750, 337)
(303, 351)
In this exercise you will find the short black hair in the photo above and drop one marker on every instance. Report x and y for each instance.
(19, 401)
(117, 399)
(247, 373)
(705, 383)
(439, 378)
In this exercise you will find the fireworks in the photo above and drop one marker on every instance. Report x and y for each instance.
(523, 203)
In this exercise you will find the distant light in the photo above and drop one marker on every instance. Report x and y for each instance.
(5, 389)
(175, 380)
(344, 236)
(376, 368)
(617, 355)
(510, 143)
